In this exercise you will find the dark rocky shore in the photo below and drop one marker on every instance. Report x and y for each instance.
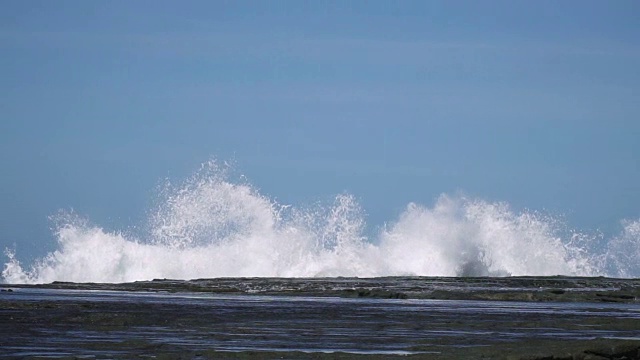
(555, 289)
(69, 322)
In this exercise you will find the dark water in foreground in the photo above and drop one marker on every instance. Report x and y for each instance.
(133, 320)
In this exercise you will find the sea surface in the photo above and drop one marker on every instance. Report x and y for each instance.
(300, 318)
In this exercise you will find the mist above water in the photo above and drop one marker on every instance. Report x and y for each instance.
(209, 226)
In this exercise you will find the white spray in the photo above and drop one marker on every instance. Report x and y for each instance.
(212, 227)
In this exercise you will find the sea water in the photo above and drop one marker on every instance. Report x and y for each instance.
(209, 226)
(127, 324)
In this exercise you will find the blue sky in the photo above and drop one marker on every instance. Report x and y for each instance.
(531, 102)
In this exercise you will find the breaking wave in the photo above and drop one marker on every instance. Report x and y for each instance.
(210, 226)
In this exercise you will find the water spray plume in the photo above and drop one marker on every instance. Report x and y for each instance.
(209, 226)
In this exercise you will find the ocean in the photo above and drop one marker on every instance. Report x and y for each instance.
(222, 271)
(416, 317)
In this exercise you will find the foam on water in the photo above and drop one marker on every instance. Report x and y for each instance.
(209, 226)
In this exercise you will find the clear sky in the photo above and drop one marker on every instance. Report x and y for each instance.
(536, 103)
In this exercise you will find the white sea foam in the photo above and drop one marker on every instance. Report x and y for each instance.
(209, 226)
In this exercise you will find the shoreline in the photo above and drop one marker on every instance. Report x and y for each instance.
(332, 318)
(524, 289)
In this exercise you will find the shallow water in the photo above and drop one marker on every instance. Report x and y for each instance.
(106, 323)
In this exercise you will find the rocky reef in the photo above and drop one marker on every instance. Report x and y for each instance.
(331, 318)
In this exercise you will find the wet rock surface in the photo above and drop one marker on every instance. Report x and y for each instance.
(555, 289)
(337, 318)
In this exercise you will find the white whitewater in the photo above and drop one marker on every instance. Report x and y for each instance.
(209, 226)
